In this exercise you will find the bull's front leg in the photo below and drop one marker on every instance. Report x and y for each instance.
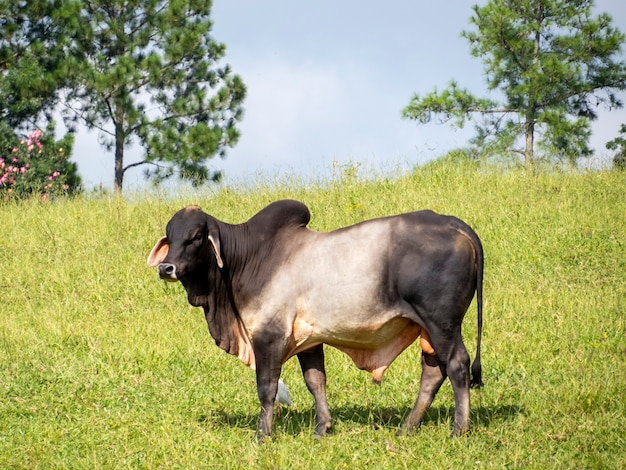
(312, 365)
(268, 353)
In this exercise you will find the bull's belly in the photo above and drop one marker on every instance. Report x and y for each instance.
(372, 345)
(378, 349)
(366, 336)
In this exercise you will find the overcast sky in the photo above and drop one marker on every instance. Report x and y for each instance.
(327, 81)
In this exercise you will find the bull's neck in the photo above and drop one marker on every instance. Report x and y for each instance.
(222, 307)
(246, 261)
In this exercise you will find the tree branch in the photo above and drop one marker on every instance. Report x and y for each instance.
(142, 162)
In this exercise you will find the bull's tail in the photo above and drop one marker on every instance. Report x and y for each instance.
(477, 380)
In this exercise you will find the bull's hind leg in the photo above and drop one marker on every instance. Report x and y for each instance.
(433, 375)
(312, 365)
(455, 362)
(458, 371)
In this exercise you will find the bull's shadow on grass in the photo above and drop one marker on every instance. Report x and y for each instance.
(302, 421)
(393, 417)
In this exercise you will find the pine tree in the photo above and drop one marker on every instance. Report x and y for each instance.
(554, 64)
(152, 73)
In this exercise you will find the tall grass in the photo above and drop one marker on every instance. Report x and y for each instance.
(104, 366)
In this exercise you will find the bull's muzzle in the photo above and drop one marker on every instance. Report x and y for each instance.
(167, 271)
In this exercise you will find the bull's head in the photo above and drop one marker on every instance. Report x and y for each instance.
(192, 241)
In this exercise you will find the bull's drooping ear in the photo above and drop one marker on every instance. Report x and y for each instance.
(214, 238)
(159, 252)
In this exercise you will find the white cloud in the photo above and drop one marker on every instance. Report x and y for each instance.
(286, 103)
(301, 117)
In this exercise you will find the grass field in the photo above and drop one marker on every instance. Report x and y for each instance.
(104, 366)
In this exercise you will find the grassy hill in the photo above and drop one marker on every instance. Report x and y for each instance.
(104, 366)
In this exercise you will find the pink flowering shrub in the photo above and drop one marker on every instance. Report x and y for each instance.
(38, 165)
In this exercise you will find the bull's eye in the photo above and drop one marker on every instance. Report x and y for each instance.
(195, 239)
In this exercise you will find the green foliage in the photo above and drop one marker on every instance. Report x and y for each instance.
(142, 70)
(451, 103)
(104, 366)
(35, 61)
(152, 73)
(37, 165)
(554, 64)
(619, 144)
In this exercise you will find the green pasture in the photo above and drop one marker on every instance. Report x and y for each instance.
(102, 365)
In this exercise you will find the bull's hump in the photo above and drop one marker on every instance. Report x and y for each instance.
(281, 214)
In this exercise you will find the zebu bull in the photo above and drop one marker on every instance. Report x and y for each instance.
(271, 289)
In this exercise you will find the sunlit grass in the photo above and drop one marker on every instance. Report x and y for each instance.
(104, 366)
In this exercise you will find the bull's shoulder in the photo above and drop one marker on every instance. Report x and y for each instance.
(279, 215)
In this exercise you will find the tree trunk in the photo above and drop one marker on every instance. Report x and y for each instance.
(530, 141)
(532, 108)
(119, 152)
